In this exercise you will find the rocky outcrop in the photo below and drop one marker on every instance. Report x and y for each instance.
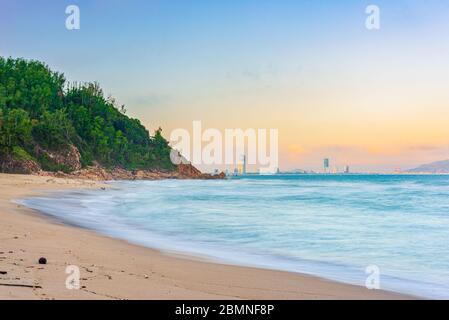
(188, 171)
(24, 166)
(69, 158)
(185, 171)
(91, 173)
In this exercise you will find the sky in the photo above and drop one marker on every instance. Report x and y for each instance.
(376, 100)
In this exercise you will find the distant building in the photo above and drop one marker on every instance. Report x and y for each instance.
(326, 165)
(244, 164)
(346, 169)
(241, 167)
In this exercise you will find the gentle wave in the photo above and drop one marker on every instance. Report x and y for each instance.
(328, 226)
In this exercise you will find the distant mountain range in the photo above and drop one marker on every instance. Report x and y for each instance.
(434, 167)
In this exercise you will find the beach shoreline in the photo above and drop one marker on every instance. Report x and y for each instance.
(115, 269)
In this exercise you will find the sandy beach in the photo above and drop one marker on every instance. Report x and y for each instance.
(115, 269)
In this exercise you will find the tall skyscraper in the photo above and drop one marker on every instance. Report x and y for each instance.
(326, 164)
(244, 164)
(241, 166)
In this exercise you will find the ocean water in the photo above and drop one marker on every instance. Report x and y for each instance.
(332, 226)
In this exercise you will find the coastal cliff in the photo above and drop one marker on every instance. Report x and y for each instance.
(51, 127)
(71, 159)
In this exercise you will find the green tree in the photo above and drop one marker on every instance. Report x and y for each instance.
(38, 110)
(54, 131)
(15, 129)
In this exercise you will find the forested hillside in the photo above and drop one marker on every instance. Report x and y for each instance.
(47, 124)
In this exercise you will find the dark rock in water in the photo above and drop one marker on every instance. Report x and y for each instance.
(42, 261)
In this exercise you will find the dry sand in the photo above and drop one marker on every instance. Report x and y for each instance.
(115, 269)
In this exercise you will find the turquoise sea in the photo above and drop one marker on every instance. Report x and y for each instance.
(332, 226)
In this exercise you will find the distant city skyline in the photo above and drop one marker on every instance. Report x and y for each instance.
(375, 100)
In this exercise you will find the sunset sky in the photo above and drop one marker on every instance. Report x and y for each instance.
(374, 100)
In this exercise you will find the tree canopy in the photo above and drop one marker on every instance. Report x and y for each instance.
(40, 110)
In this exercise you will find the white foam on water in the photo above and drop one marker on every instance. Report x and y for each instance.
(327, 226)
